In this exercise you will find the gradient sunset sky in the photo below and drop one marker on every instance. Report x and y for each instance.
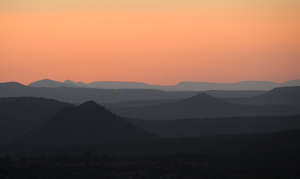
(160, 42)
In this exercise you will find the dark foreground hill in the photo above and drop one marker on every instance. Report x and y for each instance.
(19, 115)
(89, 123)
(266, 156)
(218, 126)
(201, 106)
(284, 141)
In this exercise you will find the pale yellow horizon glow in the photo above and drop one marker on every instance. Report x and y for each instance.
(17, 5)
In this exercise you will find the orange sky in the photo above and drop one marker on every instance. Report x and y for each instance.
(160, 47)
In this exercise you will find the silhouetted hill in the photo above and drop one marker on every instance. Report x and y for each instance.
(290, 83)
(118, 85)
(243, 85)
(234, 93)
(13, 89)
(283, 95)
(46, 83)
(78, 84)
(11, 85)
(99, 84)
(80, 95)
(288, 95)
(201, 106)
(217, 126)
(89, 123)
(218, 94)
(19, 115)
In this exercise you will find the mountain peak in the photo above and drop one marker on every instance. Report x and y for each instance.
(12, 85)
(91, 105)
(91, 108)
(46, 83)
(204, 99)
(202, 96)
(69, 82)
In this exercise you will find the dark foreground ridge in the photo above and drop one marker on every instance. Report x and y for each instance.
(261, 165)
(237, 143)
(264, 156)
(87, 124)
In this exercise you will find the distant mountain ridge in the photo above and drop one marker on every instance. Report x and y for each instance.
(79, 95)
(182, 86)
(46, 83)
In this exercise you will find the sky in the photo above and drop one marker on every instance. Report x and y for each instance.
(158, 42)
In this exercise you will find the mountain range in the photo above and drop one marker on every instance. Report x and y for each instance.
(79, 95)
(31, 123)
(23, 114)
(182, 86)
(197, 134)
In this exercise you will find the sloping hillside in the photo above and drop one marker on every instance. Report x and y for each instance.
(89, 123)
(218, 126)
(283, 95)
(19, 115)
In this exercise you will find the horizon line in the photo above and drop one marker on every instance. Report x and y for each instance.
(151, 84)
